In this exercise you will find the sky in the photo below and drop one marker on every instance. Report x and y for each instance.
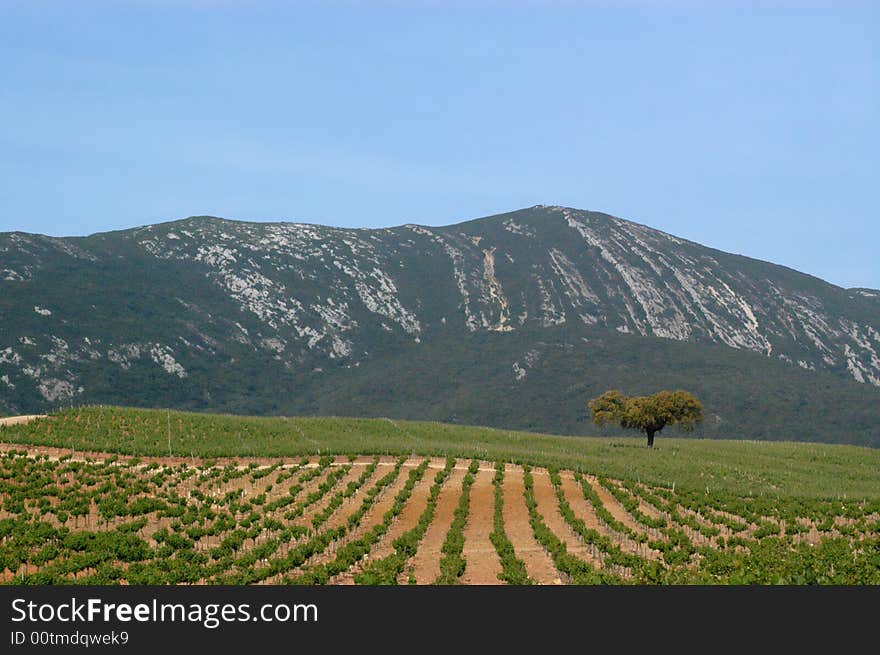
(752, 127)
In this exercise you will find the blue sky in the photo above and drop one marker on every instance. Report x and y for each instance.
(747, 126)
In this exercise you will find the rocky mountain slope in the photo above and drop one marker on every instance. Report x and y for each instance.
(543, 306)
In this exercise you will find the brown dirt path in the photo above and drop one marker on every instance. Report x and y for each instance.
(340, 515)
(350, 505)
(425, 563)
(155, 523)
(210, 541)
(724, 531)
(539, 565)
(54, 452)
(548, 508)
(483, 565)
(651, 510)
(617, 510)
(374, 515)
(407, 520)
(584, 510)
(19, 420)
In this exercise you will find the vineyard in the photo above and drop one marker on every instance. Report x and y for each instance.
(370, 511)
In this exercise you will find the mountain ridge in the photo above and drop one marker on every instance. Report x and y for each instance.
(167, 309)
(869, 291)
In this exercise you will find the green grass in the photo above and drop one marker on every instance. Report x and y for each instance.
(739, 467)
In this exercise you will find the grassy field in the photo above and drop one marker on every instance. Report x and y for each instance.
(233, 500)
(743, 468)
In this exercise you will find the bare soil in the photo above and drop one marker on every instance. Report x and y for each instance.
(18, 420)
(483, 565)
(585, 511)
(548, 507)
(539, 565)
(406, 521)
(614, 507)
(425, 564)
(373, 516)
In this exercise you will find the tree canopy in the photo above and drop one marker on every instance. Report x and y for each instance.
(648, 414)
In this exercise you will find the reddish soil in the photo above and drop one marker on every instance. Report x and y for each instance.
(483, 565)
(407, 520)
(353, 474)
(548, 508)
(426, 562)
(584, 510)
(539, 565)
(373, 516)
(479, 553)
(241, 462)
(614, 507)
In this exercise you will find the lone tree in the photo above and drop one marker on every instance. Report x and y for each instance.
(648, 414)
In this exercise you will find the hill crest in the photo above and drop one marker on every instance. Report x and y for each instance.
(182, 304)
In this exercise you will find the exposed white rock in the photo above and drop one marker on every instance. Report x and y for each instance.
(379, 293)
(124, 354)
(515, 228)
(71, 250)
(9, 356)
(458, 273)
(550, 313)
(531, 357)
(53, 389)
(216, 255)
(339, 347)
(573, 285)
(853, 364)
(650, 283)
(274, 344)
(59, 354)
(163, 356)
(496, 293)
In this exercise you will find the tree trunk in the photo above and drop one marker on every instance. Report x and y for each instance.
(650, 438)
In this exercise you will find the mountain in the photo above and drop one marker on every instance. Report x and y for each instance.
(512, 320)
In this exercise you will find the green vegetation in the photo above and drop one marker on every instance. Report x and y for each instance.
(123, 303)
(770, 469)
(69, 521)
(387, 570)
(452, 565)
(304, 550)
(574, 568)
(648, 414)
(513, 571)
(353, 551)
(611, 552)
